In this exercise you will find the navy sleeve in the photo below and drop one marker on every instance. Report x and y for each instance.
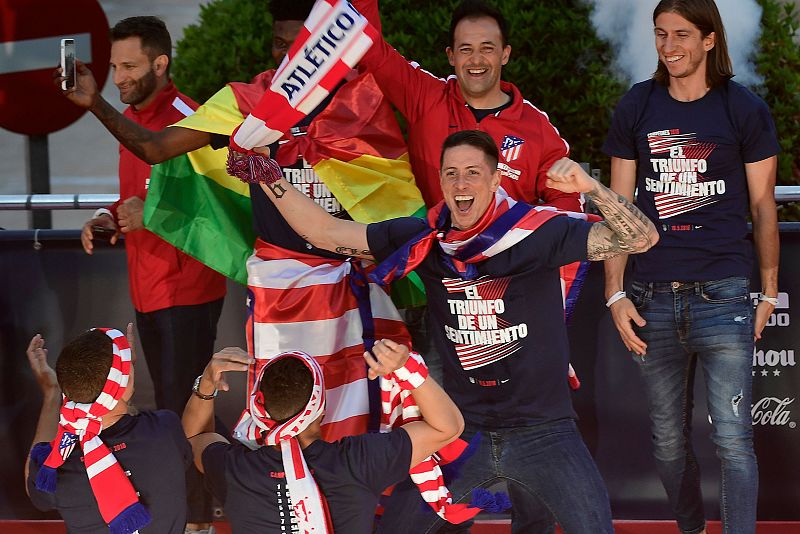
(757, 133)
(380, 460)
(214, 465)
(40, 499)
(621, 138)
(387, 236)
(559, 241)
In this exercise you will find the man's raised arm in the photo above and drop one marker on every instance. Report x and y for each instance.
(625, 228)
(315, 225)
(47, 424)
(441, 422)
(198, 416)
(149, 146)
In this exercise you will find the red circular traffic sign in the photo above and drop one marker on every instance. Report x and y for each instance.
(30, 35)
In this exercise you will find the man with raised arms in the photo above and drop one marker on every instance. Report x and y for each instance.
(505, 357)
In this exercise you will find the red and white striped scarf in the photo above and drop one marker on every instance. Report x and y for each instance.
(332, 40)
(308, 502)
(400, 408)
(303, 302)
(116, 498)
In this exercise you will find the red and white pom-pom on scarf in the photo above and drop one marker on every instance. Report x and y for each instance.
(82, 422)
(333, 39)
(308, 502)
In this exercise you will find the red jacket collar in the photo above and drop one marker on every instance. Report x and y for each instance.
(164, 97)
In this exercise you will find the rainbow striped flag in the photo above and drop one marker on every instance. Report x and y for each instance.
(354, 145)
(193, 204)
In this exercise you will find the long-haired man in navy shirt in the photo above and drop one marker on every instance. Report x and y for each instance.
(702, 151)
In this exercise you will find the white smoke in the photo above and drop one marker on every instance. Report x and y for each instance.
(628, 26)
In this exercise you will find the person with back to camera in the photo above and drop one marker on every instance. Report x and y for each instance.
(101, 465)
(296, 481)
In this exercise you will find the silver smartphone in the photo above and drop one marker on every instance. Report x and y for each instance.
(68, 63)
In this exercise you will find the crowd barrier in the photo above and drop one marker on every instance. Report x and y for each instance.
(48, 285)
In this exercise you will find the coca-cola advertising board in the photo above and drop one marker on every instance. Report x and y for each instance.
(776, 396)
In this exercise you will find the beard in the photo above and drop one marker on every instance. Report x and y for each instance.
(140, 90)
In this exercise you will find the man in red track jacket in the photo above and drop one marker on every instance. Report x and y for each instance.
(474, 98)
(178, 300)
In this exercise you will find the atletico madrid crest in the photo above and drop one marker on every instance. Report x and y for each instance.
(511, 147)
(66, 445)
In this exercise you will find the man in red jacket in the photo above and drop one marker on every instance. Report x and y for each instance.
(178, 300)
(475, 98)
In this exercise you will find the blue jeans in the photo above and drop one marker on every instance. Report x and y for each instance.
(546, 464)
(709, 322)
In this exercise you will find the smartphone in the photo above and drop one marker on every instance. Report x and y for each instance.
(68, 63)
(102, 233)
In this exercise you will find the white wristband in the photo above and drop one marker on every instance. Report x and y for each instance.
(102, 211)
(772, 300)
(615, 297)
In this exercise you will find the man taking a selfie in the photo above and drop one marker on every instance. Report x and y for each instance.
(177, 299)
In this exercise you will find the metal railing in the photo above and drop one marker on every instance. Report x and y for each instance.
(783, 195)
(56, 202)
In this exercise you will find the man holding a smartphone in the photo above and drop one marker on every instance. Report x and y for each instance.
(331, 124)
(178, 300)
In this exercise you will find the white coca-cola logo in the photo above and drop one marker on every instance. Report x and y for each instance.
(773, 411)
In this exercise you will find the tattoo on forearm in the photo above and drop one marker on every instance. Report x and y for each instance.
(277, 189)
(625, 229)
(350, 251)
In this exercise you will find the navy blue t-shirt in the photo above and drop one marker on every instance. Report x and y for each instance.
(501, 336)
(351, 473)
(691, 177)
(151, 447)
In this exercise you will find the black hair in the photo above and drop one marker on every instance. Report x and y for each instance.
(83, 364)
(290, 9)
(473, 9)
(475, 138)
(286, 386)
